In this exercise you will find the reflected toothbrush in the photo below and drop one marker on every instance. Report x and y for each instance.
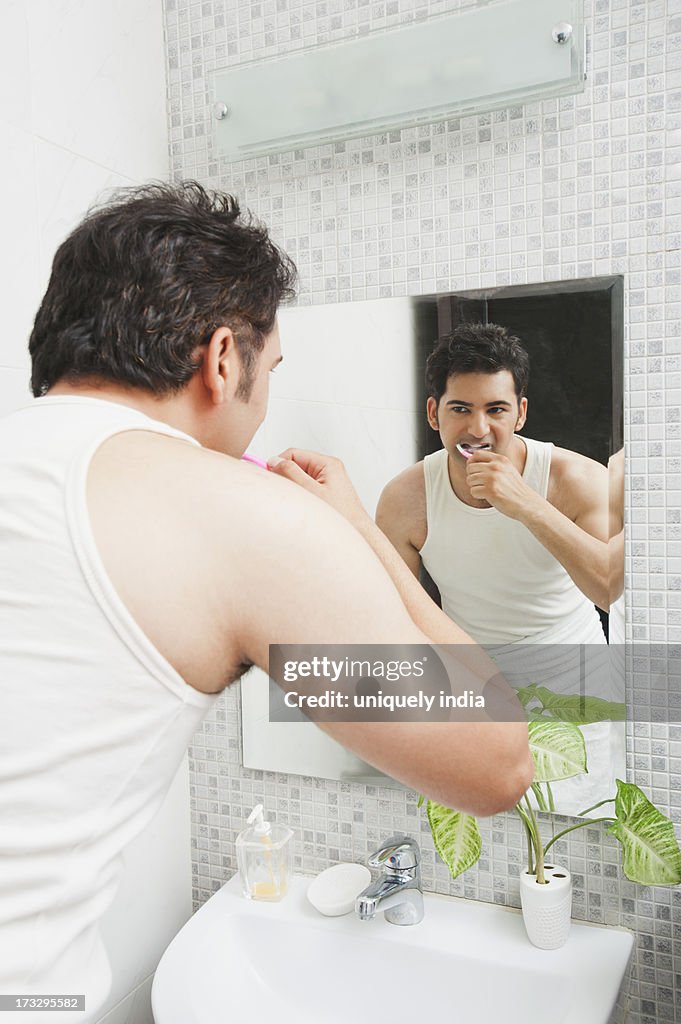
(469, 450)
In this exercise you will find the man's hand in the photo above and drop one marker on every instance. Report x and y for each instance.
(494, 478)
(572, 525)
(324, 476)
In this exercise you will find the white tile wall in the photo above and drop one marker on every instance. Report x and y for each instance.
(561, 189)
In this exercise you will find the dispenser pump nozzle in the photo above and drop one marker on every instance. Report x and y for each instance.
(260, 826)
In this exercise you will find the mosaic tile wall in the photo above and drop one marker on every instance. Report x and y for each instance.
(566, 188)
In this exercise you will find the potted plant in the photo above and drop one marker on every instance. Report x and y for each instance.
(650, 851)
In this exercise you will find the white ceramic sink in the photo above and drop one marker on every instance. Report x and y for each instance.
(238, 960)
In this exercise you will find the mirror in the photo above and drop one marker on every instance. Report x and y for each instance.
(353, 384)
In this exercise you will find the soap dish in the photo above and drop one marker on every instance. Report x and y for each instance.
(333, 892)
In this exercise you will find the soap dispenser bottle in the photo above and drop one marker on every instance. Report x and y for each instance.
(265, 857)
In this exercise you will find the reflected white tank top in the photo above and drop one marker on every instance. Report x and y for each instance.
(495, 578)
(94, 722)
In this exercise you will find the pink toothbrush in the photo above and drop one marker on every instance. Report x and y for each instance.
(470, 451)
(255, 460)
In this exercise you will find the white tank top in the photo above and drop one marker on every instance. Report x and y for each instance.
(93, 720)
(496, 580)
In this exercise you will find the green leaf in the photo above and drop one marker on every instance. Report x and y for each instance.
(526, 694)
(570, 707)
(558, 750)
(574, 707)
(456, 836)
(651, 854)
(533, 713)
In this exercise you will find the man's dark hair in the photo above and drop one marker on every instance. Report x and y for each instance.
(476, 348)
(148, 277)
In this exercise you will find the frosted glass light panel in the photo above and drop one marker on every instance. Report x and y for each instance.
(493, 55)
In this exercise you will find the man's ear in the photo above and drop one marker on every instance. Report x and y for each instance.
(522, 415)
(431, 413)
(220, 365)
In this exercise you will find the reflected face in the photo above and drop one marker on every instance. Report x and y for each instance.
(478, 410)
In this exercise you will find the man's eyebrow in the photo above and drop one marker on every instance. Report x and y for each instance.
(469, 405)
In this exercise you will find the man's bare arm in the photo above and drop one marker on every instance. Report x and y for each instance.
(578, 537)
(216, 560)
(399, 506)
(573, 526)
(313, 580)
(582, 555)
(400, 516)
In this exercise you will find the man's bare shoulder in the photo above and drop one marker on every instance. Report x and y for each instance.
(576, 480)
(146, 460)
(570, 465)
(163, 449)
(401, 511)
(217, 500)
(196, 543)
(163, 475)
(407, 489)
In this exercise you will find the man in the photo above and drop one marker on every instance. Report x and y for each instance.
(513, 531)
(145, 567)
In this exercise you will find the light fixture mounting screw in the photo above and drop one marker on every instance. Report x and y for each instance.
(561, 33)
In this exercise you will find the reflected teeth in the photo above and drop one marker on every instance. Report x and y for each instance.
(467, 449)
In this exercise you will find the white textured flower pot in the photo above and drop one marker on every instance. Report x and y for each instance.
(547, 908)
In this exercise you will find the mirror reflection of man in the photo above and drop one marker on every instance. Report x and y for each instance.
(512, 530)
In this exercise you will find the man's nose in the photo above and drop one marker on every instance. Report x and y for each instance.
(478, 424)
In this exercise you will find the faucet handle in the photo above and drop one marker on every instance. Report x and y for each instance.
(397, 853)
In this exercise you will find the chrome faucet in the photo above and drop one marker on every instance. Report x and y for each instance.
(397, 891)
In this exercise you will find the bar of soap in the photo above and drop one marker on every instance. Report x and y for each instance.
(333, 892)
